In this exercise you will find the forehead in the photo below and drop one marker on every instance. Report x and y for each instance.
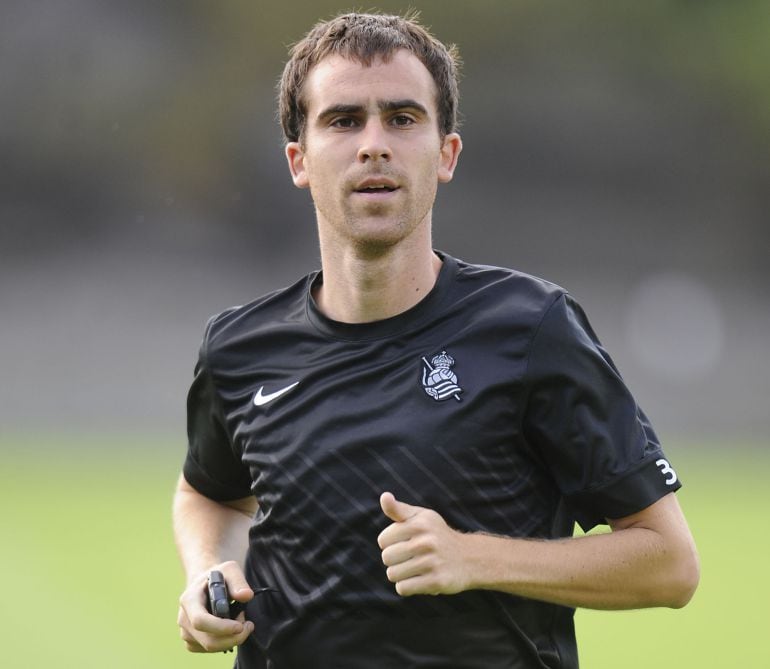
(337, 80)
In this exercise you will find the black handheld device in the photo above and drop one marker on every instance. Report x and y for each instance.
(219, 598)
(219, 602)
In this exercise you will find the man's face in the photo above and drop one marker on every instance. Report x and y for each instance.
(371, 154)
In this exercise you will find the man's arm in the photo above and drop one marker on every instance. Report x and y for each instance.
(649, 559)
(211, 535)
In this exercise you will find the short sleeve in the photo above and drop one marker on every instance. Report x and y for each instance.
(584, 424)
(212, 466)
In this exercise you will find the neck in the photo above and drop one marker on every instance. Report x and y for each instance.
(361, 287)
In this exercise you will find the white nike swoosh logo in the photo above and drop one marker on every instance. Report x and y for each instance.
(260, 399)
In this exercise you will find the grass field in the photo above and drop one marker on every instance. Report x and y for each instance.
(91, 579)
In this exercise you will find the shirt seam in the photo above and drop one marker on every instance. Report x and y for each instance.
(217, 398)
(526, 388)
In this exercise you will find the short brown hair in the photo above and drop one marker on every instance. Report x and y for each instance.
(362, 38)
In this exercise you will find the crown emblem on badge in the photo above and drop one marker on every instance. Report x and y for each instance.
(438, 379)
(443, 361)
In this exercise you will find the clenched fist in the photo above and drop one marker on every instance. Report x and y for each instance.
(203, 632)
(423, 555)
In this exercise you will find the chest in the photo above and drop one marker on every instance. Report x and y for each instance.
(427, 418)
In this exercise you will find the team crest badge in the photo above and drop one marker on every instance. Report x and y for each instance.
(438, 379)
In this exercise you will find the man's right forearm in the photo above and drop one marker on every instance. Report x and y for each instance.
(209, 532)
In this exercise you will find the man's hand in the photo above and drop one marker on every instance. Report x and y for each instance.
(424, 556)
(203, 632)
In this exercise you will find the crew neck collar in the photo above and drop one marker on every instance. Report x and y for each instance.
(387, 327)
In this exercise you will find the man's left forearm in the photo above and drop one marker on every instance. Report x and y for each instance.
(649, 559)
(629, 568)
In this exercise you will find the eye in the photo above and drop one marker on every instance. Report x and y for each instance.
(343, 122)
(402, 120)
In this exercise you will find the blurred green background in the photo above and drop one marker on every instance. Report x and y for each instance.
(620, 149)
(91, 577)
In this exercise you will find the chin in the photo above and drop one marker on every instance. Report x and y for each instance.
(380, 233)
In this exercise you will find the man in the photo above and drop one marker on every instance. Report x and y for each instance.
(386, 460)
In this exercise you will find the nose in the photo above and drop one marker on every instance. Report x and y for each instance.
(374, 144)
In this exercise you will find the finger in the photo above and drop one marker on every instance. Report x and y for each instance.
(395, 510)
(193, 646)
(417, 585)
(407, 570)
(203, 621)
(237, 586)
(397, 553)
(248, 628)
(394, 534)
(190, 641)
(200, 641)
(226, 643)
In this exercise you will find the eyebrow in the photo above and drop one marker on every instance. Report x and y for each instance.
(382, 105)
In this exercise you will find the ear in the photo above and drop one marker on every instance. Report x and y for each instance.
(296, 159)
(450, 152)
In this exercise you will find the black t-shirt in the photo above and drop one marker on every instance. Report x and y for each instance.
(491, 402)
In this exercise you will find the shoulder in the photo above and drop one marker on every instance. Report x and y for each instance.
(230, 326)
(528, 296)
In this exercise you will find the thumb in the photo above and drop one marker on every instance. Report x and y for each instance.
(237, 586)
(395, 510)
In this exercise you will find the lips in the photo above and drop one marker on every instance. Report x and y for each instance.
(376, 186)
(375, 189)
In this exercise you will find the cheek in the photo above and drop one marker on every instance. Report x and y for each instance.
(322, 178)
(427, 172)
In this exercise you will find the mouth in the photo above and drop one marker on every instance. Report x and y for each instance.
(376, 186)
(376, 189)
